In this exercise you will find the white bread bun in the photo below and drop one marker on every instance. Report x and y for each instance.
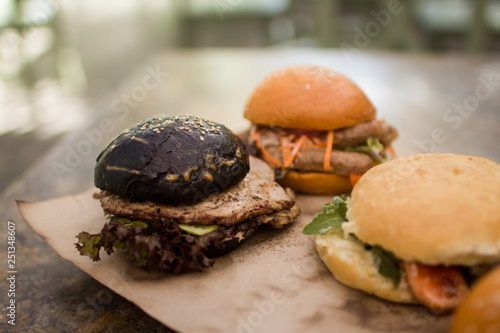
(308, 97)
(354, 266)
(432, 208)
(480, 312)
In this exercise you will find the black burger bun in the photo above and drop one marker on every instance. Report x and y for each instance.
(174, 159)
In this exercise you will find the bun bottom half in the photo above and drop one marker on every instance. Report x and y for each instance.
(354, 266)
(317, 183)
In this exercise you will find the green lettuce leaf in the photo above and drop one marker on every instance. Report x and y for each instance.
(373, 147)
(332, 216)
(159, 246)
(388, 264)
(89, 245)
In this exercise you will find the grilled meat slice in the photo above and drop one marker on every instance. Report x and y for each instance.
(218, 241)
(263, 169)
(357, 134)
(341, 162)
(252, 197)
(281, 218)
(389, 134)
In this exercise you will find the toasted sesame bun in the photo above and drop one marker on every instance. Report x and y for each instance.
(480, 312)
(432, 208)
(352, 265)
(317, 183)
(308, 97)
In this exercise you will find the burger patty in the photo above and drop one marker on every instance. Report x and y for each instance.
(341, 162)
(254, 196)
(359, 133)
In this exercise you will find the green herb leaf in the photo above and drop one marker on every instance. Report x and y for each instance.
(89, 245)
(332, 216)
(388, 264)
(373, 147)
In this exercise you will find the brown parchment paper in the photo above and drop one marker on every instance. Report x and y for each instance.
(275, 282)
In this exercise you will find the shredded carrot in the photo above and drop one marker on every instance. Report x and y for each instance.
(255, 135)
(317, 141)
(265, 154)
(328, 151)
(295, 150)
(308, 142)
(285, 148)
(268, 157)
(313, 143)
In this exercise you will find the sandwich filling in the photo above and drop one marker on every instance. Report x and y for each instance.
(441, 288)
(348, 151)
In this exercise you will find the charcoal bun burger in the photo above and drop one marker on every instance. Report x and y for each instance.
(317, 129)
(417, 229)
(179, 190)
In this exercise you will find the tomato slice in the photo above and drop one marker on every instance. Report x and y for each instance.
(354, 179)
(440, 288)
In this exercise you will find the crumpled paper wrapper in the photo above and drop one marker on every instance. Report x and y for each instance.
(275, 282)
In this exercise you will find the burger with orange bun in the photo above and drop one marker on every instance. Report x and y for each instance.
(317, 129)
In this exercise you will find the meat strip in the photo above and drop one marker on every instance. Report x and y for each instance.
(357, 134)
(281, 218)
(254, 196)
(388, 135)
(341, 162)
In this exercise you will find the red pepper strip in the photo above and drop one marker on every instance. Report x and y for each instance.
(441, 288)
(354, 179)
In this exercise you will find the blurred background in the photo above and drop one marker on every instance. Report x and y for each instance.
(59, 58)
